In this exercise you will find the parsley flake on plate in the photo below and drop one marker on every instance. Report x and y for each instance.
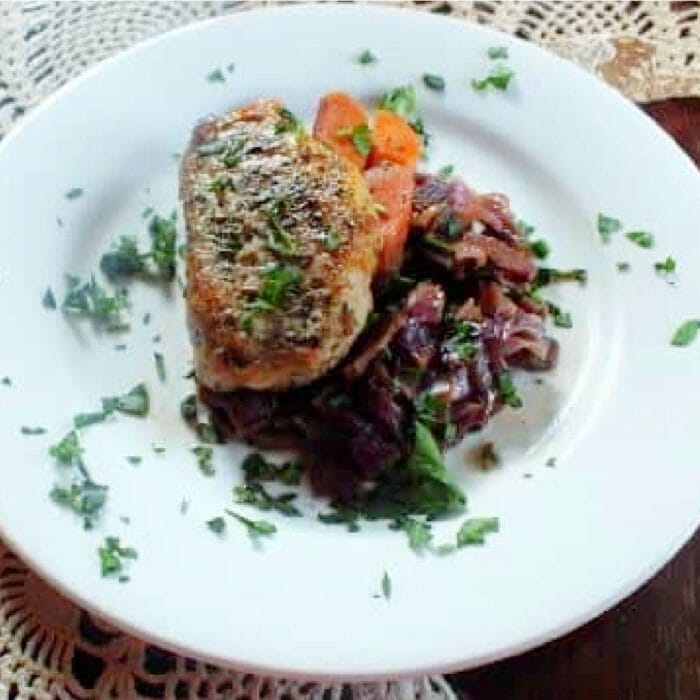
(216, 76)
(496, 52)
(434, 82)
(562, 319)
(446, 172)
(362, 139)
(289, 123)
(90, 300)
(255, 528)
(135, 402)
(551, 462)
(256, 468)
(160, 365)
(623, 266)
(666, 267)
(204, 457)
(474, 530)
(643, 239)
(134, 459)
(6, 381)
(84, 498)
(418, 532)
(217, 525)
(509, 393)
(74, 193)
(550, 275)
(83, 420)
(607, 225)
(686, 333)
(29, 430)
(188, 407)
(254, 494)
(48, 301)
(366, 58)
(540, 248)
(498, 78)
(386, 586)
(112, 555)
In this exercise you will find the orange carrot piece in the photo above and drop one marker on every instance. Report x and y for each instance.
(393, 140)
(338, 114)
(392, 187)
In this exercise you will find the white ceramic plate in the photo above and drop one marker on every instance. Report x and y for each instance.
(620, 413)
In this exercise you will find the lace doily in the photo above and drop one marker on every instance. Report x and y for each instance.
(49, 648)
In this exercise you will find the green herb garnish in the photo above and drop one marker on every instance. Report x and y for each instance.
(402, 100)
(134, 403)
(279, 239)
(386, 586)
(74, 193)
(6, 381)
(508, 391)
(333, 240)
(255, 528)
(257, 468)
(540, 249)
(366, 58)
(551, 462)
(462, 342)
(163, 237)
(623, 266)
(28, 430)
(288, 123)
(112, 555)
(158, 449)
(188, 407)
(204, 457)
(362, 139)
(160, 365)
(278, 282)
(496, 52)
(550, 275)
(446, 172)
(89, 300)
(68, 450)
(48, 301)
(434, 82)
(254, 494)
(216, 76)
(686, 333)
(499, 78)
(217, 525)
(562, 319)
(607, 225)
(134, 459)
(643, 239)
(84, 498)
(666, 267)
(83, 420)
(418, 532)
(124, 260)
(474, 530)
(430, 409)
(341, 516)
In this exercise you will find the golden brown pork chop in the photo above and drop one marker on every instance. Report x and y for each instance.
(282, 244)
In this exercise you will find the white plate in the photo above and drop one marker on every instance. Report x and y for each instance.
(620, 414)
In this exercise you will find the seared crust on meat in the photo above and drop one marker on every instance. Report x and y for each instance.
(282, 245)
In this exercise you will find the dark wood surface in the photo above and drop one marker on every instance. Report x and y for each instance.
(646, 648)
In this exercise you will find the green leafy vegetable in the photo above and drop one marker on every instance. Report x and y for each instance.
(462, 341)
(204, 455)
(686, 333)
(112, 556)
(643, 239)
(216, 76)
(402, 100)
(562, 319)
(278, 282)
(89, 300)
(257, 468)
(430, 409)
(163, 238)
(496, 52)
(253, 493)
(508, 391)
(84, 498)
(68, 450)
(362, 139)
(83, 420)
(124, 260)
(418, 532)
(279, 239)
(341, 516)
(74, 193)
(540, 248)
(27, 430)
(158, 449)
(446, 172)
(217, 525)
(434, 82)
(607, 225)
(48, 301)
(134, 403)
(666, 267)
(499, 78)
(474, 530)
(366, 58)
(160, 365)
(255, 528)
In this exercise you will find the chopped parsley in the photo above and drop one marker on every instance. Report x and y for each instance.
(254, 494)
(643, 239)
(508, 391)
(217, 525)
(184, 506)
(418, 532)
(158, 449)
(207, 433)
(124, 260)
(496, 52)
(366, 58)
(486, 456)
(362, 139)
(288, 123)
(341, 516)
(216, 76)
(446, 172)
(163, 237)
(6, 381)
(463, 340)
(540, 249)
(402, 100)
(686, 333)
(48, 301)
(278, 282)
(204, 455)
(84, 498)
(666, 267)
(112, 556)
(607, 225)
(147, 213)
(332, 240)
(160, 365)
(134, 459)
(120, 346)
(74, 193)
(623, 266)
(68, 450)
(89, 300)
(561, 318)
(83, 420)
(386, 586)
(188, 407)
(524, 228)
(499, 78)
(550, 275)
(434, 82)
(27, 430)
(255, 528)
(474, 530)
(256, 468)
(430, 409)
(134, 403)
(279, 239)
(551, 462)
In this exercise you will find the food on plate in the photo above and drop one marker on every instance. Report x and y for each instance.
(350, 308)
(283, 241)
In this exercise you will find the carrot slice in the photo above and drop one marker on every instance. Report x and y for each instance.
(392, 187)
(338, 115)
(393, 140)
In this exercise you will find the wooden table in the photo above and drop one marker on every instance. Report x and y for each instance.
(646, 648)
